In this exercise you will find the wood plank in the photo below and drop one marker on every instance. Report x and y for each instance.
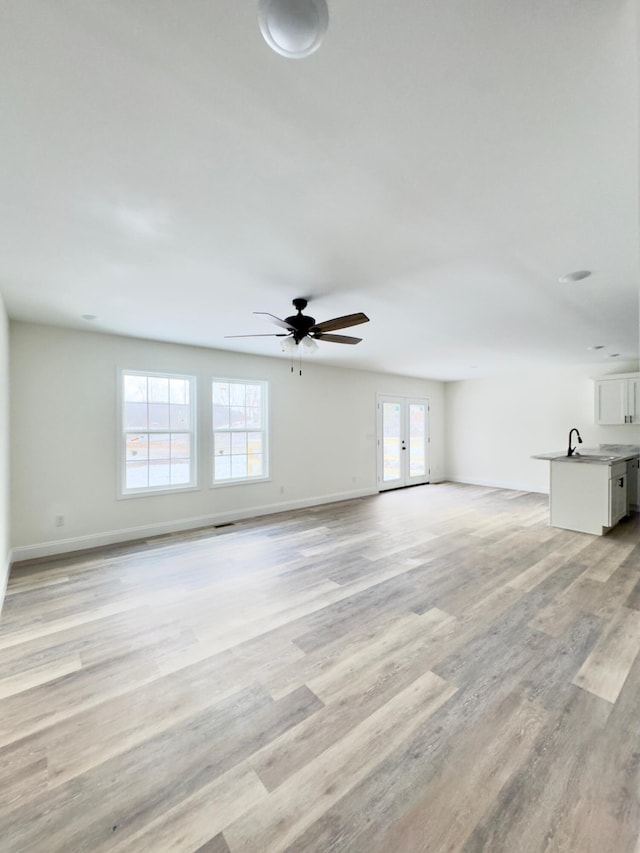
(482, 761)
(115, 800)
(605, 558)
(23, 774)
(148, 710)
(532, 576)
(530, 810)
(305, 796)
(606, 669)
(39, 675)
(196, 822)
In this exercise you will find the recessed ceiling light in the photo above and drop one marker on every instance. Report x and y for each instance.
(293, 28)
(578, 275)
(89, 316)
(596, 346)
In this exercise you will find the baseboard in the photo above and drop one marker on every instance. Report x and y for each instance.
(5, 568)
(496, 484)
(114, 537)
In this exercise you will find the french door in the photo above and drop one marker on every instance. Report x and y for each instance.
(403, 441)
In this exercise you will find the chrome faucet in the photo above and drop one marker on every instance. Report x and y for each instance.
(572, 450)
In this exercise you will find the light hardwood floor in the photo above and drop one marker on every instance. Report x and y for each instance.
(433, 669)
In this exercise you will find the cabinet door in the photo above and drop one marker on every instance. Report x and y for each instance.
(617, 499)
(611, 401)
(633, 484)
(633, 401)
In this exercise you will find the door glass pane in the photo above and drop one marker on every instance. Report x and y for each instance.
(391, 462)
(417, 440)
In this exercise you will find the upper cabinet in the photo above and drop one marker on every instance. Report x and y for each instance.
(618, 399)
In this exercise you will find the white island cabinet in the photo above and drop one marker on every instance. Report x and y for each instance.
(588, 498)
(592, 490)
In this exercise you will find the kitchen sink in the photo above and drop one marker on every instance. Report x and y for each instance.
(598, 457)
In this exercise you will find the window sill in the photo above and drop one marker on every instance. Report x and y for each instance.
(245, 481)
(152, 493)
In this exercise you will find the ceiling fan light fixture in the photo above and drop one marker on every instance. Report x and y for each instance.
(293, 28)
(288, 344)
(309, 345)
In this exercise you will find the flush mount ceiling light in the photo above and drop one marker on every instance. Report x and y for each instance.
(293, 28)
(578, 275)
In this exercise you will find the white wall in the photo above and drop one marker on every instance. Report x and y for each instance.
(495, 425)
(4, 450)
(64, 437)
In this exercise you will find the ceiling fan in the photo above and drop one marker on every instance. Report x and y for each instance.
(302, 328)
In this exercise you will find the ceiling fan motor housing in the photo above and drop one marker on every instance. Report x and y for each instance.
(300, 324)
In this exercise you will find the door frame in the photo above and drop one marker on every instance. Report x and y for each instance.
(405, 480)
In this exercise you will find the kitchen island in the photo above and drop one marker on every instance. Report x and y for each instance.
(590, 490)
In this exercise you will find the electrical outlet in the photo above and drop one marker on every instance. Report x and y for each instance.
(59, 521)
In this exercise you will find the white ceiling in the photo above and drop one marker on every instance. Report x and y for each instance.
(437, 165)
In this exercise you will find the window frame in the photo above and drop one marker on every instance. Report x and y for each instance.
(265, 430)
(124, 493)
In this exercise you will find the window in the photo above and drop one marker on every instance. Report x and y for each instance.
(240, 435)
(158, 433)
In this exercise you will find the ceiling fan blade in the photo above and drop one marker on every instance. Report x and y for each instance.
(269, 335)
(275, 319)
(340, 322)
(337, 339)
